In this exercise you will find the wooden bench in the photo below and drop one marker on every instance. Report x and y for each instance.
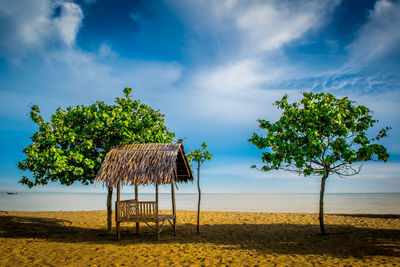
(142, 211)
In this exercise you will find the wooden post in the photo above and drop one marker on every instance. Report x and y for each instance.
(173, 205)
(109, 207)
(137, 199)
(117, 223)
(156, 213)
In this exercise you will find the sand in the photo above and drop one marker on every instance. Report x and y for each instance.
(227, 238)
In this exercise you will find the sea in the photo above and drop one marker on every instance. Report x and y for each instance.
(361, 203)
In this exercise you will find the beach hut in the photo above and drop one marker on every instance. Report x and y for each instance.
(144, 164)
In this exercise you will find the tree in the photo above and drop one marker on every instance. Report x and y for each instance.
(71, 146)
(320, 135)
(199, 156)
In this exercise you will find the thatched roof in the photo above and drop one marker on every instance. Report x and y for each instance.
(138, 164)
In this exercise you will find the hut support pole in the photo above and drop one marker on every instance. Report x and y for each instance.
(109, 207)
(137, 199)
(156, 214)
(117, 223)
(173, 205)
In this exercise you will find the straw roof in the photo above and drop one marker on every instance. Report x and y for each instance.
(138, 164)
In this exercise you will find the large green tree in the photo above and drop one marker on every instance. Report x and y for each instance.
(199, 156)
(320, 135)
(71, 146)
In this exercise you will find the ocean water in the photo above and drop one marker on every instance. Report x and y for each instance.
(376, 203)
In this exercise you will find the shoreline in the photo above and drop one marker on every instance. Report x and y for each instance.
(275, 203)
(216, 211)
(227, 238)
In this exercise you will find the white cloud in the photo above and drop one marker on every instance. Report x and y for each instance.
(105, 74)
(234, 94)
(248, 37)
(22, 23)
(270, 25)
(371, 66)
(69, 22)
(72, 77)
(231, 78)
(380, 35)
(106, 52)
(31, 26)
(248, 28)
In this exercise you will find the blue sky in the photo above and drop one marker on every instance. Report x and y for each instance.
(213, 67)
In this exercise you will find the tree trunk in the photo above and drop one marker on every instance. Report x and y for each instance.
(198, 204)
(109, 207)
(117, 222)
(321, 204)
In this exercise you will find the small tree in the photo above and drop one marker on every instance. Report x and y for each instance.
(320, 135)
(71, 146)
(199, 156)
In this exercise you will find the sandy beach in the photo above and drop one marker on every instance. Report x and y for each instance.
(227, 238)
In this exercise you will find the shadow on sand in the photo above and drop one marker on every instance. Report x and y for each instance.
(343, 240)
(375, 216)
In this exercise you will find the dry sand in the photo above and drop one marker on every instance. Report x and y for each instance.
(227, 238)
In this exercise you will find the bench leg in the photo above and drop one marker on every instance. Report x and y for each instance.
(137, 228)
(174, 226)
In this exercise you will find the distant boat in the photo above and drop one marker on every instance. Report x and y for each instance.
(12, 193)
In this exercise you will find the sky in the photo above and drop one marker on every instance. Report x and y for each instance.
(212, 67)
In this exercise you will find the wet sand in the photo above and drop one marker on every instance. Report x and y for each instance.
(227, 238)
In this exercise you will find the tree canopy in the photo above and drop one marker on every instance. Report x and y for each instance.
(319, 134)
(200, 155)
(70, 147)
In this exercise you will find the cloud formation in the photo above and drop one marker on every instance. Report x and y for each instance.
(249, 28)
(68, 22)
(379, 37)
(247, 38)
(270, 25)
(31, 26)
(41, 38)
(233, 93)
(370, 65)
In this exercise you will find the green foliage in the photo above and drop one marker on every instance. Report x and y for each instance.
(319, 135)
(200, 155)
(71, 146)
